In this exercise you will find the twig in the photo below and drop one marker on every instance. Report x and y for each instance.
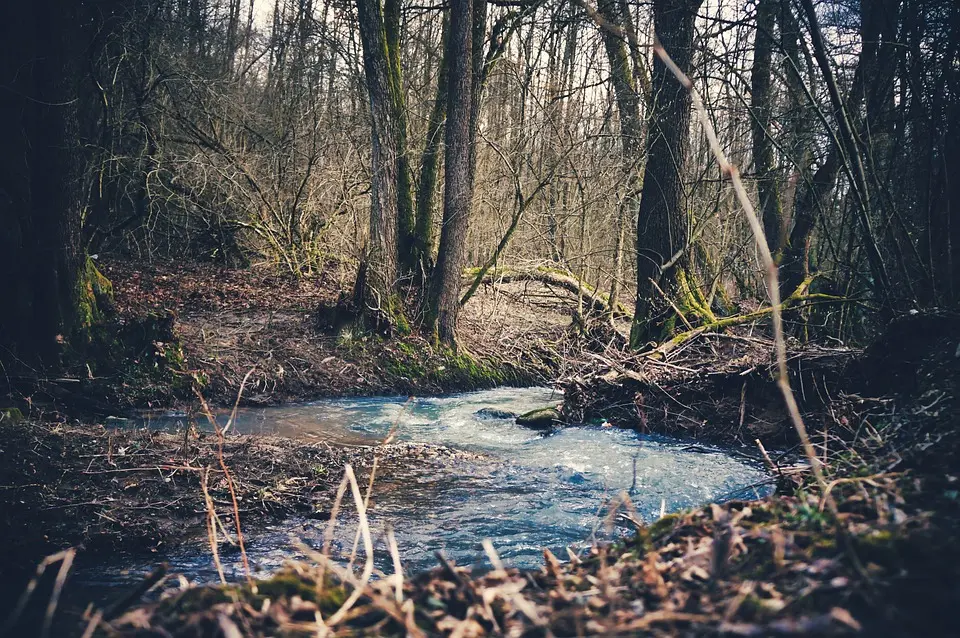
(226, 471)
(770, 268)
(66, 560)
(212, 528)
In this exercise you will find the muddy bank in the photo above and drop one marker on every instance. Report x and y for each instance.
(720, 388)
(106, 491)
(174, 327)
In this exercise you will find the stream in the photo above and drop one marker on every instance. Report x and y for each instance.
(528, 490)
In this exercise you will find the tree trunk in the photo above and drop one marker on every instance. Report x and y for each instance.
(662, 224)
(761, 105)
(406, 222)
(847, 139)
(813, 197)
(46, 296)
(624, 76)
(377, 289)
(430, 168)
(445, 288)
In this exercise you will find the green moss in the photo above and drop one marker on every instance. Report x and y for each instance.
(94, 295)
(541, 418)
(397, 317)
(879, 546)
(469, 372)
(287, 584)
(663, 525)
(194, 600)
(11, 416)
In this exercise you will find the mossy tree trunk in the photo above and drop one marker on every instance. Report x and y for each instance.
(406, 223)
(629, 79)
(423, 242)
(445, 287)
(662, 220)
(48, 297)
(378, 278)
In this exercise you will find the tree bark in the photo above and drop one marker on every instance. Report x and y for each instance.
(761, 105)
(49, 302)
(624, 75)
(459, 160)
(423, 242)
(406, 222)
(377, 288)
(662, 224)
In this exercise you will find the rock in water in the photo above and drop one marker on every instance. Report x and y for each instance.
(539, 419)
(493, 413)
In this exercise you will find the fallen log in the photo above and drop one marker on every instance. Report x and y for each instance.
(799, 298)
(594, 300)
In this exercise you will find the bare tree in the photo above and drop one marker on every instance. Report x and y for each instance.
(445, 287)
(761, 103)
(377, 281)
(662, 220)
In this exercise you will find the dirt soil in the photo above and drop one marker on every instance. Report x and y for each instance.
(106, 491)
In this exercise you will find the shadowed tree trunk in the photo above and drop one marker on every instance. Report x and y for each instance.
(761, 105)
(445, 288)
(47, 297)
(662, 224)
(848, 143)
(814, 197)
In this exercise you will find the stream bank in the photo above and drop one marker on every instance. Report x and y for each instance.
(886, 564)
(179, 326)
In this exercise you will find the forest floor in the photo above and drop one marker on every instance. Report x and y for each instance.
(884, 421)
(227, 322)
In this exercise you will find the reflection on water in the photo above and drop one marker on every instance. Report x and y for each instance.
(530, 491)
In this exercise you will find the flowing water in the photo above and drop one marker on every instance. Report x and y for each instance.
(528, 490)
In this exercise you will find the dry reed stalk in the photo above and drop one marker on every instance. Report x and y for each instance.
(57, 590)
(403, 614)
(367, 546)
(212, 527)
(93, 624)
(226, 472)
(493, 555)
(387, 440)
(329, 531)
(65, 558)
(397, 566)
(771, 273)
